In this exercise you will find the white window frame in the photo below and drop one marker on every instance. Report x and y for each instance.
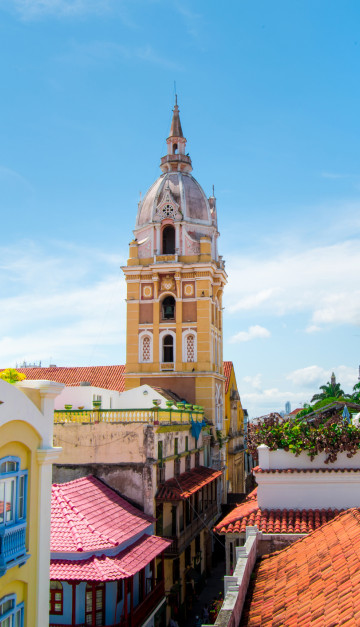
(162, 335)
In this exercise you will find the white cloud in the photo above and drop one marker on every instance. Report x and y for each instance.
(270, 400)
(312, 328)
(56, 306)
(314, 376)
(254, 381)
(334, 175)
(33, 9)
(94, 52)
(319, 281)
(253, 333)
(253, 301)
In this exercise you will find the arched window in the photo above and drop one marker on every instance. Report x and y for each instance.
(168, 308)
(56, 598)
(168, 240)
(190, 348)
(145, 347)
(168, 349)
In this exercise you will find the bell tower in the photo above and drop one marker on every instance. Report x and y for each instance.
(175, 281)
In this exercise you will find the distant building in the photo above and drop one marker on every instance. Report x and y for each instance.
(287, 408)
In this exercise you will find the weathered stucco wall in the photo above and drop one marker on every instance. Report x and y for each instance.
(101, 443)
(131, 480)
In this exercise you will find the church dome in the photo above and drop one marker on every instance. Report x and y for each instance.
(177, 195)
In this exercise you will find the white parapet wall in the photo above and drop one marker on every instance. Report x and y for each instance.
(289, 482)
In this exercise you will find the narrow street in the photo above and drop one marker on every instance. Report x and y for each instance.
(214, 585)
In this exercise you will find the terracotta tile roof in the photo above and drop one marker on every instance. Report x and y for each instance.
(248, 514)
(228, 365)
(187, 483)
(107, 377)
(257, 470)
(87, 515)
(110, 568)
(315, 581)
(295, 411)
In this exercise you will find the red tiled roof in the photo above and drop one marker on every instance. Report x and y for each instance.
(187, 483)
(228, 365)
(249, 514)
(87, 515)
(258, 470)
(110, 568)
(107, 377)
(295, 411)
(315, 581)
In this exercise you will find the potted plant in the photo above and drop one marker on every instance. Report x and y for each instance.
(68, 407)
(96, 404)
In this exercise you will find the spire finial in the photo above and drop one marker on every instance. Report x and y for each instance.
(176, 130)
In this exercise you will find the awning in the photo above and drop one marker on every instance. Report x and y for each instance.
(181, 487)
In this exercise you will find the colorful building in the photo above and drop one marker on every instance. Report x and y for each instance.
(26, 456)
(157, 457)
(107, 567)
(175, 280)
(234, 433)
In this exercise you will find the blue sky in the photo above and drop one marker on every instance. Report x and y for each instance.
(269, 100)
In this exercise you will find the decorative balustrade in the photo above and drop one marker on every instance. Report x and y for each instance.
(154, 416)
(12, 546)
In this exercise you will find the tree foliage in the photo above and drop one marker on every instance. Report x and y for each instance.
(330, 390)
(331, 435)
(11, 375)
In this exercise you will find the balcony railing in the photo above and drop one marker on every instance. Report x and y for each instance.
(138, 614)
(12, 546)
(183, 539)
(158, 415)
(144, 609)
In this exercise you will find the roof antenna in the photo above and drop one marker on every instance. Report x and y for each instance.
(213, 191)
(175, 93)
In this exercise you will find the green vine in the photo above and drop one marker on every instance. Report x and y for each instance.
(331, 435)
(219, 438)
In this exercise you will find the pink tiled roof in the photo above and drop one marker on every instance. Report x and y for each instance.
(110, 568)
(228, 365)
(249, 514)
(315, 581)
(107, 377)
(186, 484)
(87, 515)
